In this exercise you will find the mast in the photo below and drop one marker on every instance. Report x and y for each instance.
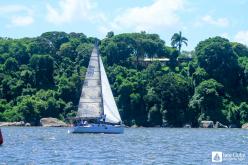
(96, 46)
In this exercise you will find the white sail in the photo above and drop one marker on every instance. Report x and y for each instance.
(109, 105)
(97, 101)
(90, 104)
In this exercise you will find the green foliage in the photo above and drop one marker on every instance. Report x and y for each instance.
(155, 116)
(43, 77)
(177, 40)
(56, 38)
(43, 66)
(207, 101)
(240, 49)
(243, 112)
(216, 56)
(68, 50)
(173, 63)
(243, 63)
(4, 106)
(199, 75)
(110, 34)
(19, 51)
(174, 92)
(120, 49)
(10, 65)
(11, 87)
(41, 45)
(83, 54)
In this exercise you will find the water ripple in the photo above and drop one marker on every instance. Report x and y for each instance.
(37, 145)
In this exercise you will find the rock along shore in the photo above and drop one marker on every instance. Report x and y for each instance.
(52, 122)
(19, 123)
(44, 122)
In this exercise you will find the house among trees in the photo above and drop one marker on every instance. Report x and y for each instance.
(147, 61)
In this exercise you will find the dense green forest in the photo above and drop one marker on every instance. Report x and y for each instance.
(43, 76)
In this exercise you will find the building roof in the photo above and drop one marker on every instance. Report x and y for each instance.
(156, 59)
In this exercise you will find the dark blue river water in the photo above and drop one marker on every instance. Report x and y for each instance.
(37, 145)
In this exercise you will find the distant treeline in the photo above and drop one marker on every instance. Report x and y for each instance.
(43, 76)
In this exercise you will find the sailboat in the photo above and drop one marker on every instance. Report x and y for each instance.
(97, 110)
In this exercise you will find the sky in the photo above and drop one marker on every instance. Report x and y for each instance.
(197, 19)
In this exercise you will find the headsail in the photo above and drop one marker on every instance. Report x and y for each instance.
(90, 104)
(110, 108)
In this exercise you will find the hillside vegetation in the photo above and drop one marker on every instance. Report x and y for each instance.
(43, 76)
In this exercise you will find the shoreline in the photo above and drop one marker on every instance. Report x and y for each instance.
(23, 126)
(196, 128)
(52, 122)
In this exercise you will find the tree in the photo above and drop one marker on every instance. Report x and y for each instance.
(174, 92)
(155, 116)
(243, 113)
(207, 102)
(110, 34)
(53, 106)
(216, 56)
(4, 106)
(67, 50)
(56, 38)
(240, 49)
(177, 40)
(41, 45)
(32, 88)
(129, 49)
(199, 75)
(19, 51)
(150, 47)
(137, 109)
(43, 77)
(173, 59)
(10, 65)
(82, 37)
(27, 76)
(117, 53)
(83, 54)
(43, 65)
(29, 107)
(243, 63)
(67, 90)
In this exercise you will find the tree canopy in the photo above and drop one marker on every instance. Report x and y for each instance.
(43, 77)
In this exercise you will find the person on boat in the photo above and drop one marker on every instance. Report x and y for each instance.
(103, 118)
(1, 137)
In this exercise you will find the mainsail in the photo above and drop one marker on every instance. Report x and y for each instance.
(90, 104)
(96, 97)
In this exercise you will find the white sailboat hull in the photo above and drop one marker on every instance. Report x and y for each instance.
(98, 128)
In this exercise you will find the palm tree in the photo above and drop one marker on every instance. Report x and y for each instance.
(177, 40)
